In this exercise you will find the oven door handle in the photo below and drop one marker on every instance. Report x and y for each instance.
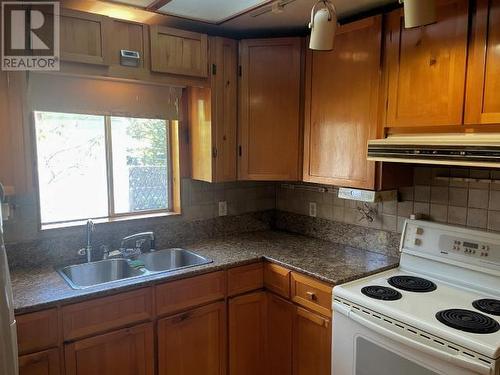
(459, 360)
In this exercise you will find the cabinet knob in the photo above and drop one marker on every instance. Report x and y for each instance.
(312, 296)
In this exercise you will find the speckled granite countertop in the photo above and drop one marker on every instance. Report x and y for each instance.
(36, 289)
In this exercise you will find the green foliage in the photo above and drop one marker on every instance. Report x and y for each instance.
(151, 147)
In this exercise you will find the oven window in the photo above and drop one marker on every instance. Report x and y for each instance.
(372, 359)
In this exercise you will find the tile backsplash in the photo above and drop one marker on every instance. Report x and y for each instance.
(434, 195)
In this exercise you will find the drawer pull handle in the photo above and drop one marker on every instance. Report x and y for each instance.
(312, 296)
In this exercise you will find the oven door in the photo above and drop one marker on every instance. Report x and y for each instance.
(361, 347)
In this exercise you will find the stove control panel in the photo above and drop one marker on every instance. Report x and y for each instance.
(466, 247)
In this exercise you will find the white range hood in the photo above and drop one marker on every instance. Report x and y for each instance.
(464, 149)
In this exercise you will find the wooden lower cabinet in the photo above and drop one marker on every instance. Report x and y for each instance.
(311, 343)
(129, 351)
(247, 322)
(42, 363)
(193, 342)
(279, 335)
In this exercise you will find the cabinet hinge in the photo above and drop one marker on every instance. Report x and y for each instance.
(239, 150)
(214, 69)
(239, 71)
(214, 152)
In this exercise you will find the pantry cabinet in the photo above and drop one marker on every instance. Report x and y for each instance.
(42, 363)
(270, 109)
(193, 342)
(426, 68)
(213, 116)
(483, 72)
(342, 107)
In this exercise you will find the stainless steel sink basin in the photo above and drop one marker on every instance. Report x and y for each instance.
(87, 275)
(171, 259)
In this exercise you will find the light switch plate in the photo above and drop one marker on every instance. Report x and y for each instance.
(312, 209)
(223, 208)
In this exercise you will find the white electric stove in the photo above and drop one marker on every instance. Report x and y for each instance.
(438, 313)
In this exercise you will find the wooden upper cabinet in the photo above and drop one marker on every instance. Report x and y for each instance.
(193, 342)
(270, 109)
(130, 36)
(426, 68)
(41, 363)
(342, 102)
(483, 72)
(213, 116)
(178, 51)
(84, 37)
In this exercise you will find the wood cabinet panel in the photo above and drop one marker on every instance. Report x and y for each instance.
(37, 331)
(182, 294)
(178, 51)
(107, 313)
(311, 344)
(247, 324)
(245, 279)
(270, 109)
(426, 68)
(342, 106)
(482, 104)
(130, 36)
(193, 342)
(42, 363)
(126, 352)
(277, 279)
(279, 335)
(312, 294)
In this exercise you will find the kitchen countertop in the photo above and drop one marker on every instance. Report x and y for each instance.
(41, 288)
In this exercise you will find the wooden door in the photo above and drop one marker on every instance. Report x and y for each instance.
(42, 363)
(311, 344)
(129, 351)
(279, 337)
(247, 323)
(178, 51)
(426, 68)
(342, 93)
(270, 109)
(193, 342)
(482, 105)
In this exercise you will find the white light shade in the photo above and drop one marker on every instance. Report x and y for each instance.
(419, 12)
(323, 30)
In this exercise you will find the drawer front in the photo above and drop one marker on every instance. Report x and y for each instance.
(245, 278)
(37, 331)
(103, 314)
(179, 295)
(41, 363)
(277, 279)
(312, 294)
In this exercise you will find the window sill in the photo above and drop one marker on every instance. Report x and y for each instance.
(78, 223)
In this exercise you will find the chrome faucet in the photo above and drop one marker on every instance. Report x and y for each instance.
(139, 239)
(88, 249)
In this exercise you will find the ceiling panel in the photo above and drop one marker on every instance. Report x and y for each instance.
(136, 3)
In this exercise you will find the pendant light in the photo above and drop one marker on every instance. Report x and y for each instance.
(323, 26)
(419, 12)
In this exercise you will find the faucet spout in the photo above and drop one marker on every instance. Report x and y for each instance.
(90, 230)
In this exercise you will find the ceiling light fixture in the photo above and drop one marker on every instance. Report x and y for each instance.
(419, 12)
(323, 26)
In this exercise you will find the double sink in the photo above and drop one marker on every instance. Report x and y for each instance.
(92, 274)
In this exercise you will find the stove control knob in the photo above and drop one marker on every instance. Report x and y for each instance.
(418, 241)
(419, 231)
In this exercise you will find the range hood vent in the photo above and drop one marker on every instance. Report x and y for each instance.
(471, 150)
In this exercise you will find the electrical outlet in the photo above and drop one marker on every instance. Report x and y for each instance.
(223, 208)
(312, 209)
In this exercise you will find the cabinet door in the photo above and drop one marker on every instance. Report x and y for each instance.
(279, 336)
(342, 107)
(84, 37)
(193, 342)
(43, 363)
(426, 68)
(125, 352)
(311, 344)
(482, 104)
(247, 323)
(269, 127)
(178, 51)
(130, 36)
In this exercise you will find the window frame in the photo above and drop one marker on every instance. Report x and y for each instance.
(108, 141)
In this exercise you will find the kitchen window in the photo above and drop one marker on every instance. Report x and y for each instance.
(101, 166)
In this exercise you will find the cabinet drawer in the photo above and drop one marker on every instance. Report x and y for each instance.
(42, 363)
(245, 278)
(312, 294)
(277, 279)
(103, 314)
(182, 294)
(37, 331)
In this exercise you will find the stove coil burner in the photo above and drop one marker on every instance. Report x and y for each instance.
(381, 292)
(412, 284)
(488, 306)
(468, 321)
